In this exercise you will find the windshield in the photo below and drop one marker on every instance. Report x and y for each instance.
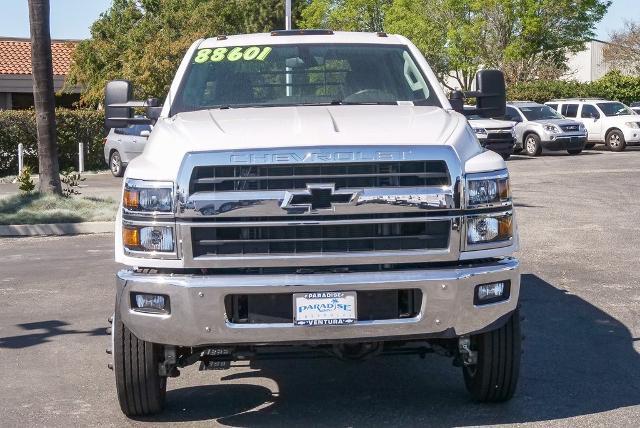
(540, 112)
(614, 109)
(306, 74)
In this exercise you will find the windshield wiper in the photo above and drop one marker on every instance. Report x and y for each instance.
(363, 103)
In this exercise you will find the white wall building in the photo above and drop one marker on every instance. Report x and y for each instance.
(588, 65)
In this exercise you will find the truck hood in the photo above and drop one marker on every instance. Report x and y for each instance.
(306, 126)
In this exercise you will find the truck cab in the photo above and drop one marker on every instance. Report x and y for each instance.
(312, 191)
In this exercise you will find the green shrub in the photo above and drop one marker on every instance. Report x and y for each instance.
(70, 182)
(73, 127)
(25, 182)
(613, 86)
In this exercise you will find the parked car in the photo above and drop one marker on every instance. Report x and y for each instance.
(347, 211)
(493, 134)
(540, 129)
(123, 144)
(608, 122)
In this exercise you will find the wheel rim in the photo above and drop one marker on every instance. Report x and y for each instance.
(531, 145)
(115, 163)
(614, 140)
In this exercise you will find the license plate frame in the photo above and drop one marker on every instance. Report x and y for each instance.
(337, 308)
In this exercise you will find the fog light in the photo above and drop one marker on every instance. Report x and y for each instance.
(491, 293)
(150, 303)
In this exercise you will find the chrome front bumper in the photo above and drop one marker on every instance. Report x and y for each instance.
(198, 315)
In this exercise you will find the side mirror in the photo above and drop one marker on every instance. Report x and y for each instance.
(116, 97)
(491, 93)
(456, 99)
(119, 107)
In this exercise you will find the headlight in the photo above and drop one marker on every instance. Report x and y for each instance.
(487, 228)
(632, 125)
(553, 129)
(148, 196)
(148, 238)
(488, 189)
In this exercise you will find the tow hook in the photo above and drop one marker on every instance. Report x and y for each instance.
(169, 366)
(469, 357)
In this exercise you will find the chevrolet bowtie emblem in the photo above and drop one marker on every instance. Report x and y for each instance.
(317, 197)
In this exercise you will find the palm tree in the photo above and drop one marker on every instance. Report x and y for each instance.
(44, 98)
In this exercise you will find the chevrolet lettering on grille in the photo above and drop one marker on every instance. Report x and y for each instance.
(317, 197)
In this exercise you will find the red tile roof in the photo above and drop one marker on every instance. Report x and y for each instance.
(15, 56)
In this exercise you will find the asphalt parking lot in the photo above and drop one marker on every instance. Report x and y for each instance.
(580, 242)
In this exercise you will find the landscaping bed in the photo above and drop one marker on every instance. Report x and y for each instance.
(39, 209)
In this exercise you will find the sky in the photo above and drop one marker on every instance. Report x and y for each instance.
(71, 19)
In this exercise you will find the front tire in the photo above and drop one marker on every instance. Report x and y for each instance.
(532, 146)
(495, 376)
(141, 389)
(615, 141)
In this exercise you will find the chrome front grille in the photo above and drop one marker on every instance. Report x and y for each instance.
(320, 238)
(570, 128)
(319, 207)
(497, 135)
(297, 176)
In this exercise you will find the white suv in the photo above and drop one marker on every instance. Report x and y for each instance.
(608, 122)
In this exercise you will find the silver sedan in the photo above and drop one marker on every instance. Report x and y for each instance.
(123, 144)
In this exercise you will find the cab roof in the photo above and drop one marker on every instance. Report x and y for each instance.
(307, 37)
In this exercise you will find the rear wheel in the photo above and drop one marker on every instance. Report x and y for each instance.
(575, 151)
(115, 164)
(495, 375)
(532, 146)
(141, 389)
(615, 141)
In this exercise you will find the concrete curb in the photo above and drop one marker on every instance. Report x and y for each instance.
(59, 229)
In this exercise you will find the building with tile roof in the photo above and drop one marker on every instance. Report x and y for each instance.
(16, 84)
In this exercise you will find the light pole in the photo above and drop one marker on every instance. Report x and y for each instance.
(287, 26)
(287, 14)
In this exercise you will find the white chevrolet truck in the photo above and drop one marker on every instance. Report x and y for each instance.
(312, 192)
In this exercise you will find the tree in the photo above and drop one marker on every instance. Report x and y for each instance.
(145, 40)
(347, 15)
(44, 98)
(447, 33)
(623, 51)
(528, 39)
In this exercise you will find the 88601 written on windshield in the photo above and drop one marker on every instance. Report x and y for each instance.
(305, 74)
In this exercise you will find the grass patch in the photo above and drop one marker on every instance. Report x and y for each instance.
(37, 209)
